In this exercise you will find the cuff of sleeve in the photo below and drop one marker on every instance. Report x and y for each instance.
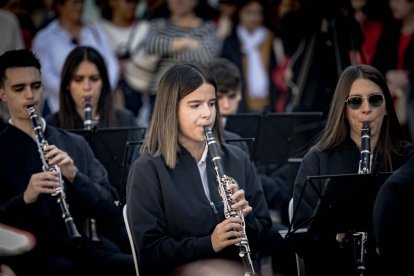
(17, 206)
(205, 248)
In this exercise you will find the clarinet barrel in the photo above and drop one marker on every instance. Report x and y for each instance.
(87, 113)
(365, 162)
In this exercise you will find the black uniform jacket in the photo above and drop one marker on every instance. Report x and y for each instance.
(394, 204)
(342, 160)
(171, 216)
(90, 194)
(321, 252)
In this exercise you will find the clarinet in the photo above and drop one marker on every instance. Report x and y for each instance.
(223, 183)
(365, 162)
(73, 232)
(87, 114)
(88, 125)
(364, 168)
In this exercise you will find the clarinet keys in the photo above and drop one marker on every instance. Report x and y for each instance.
(225, 184)
(42, 144)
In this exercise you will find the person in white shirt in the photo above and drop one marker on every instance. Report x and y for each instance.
(53, 43)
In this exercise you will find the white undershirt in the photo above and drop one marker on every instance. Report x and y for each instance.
(202, 168)
(41, 118)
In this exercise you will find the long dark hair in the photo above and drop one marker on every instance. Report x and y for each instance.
(391, 141)
(67, 112)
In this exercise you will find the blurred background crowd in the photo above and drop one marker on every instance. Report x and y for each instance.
(290, 52)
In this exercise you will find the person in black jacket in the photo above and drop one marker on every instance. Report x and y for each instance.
(361, 95)
(85, 82)
(27, 188)
(393, 205)
(174, 206)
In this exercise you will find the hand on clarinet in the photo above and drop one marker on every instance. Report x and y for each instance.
(228, 232)
(41, 183)
(241, 203)
(58, 157)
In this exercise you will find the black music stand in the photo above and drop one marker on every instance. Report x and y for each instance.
(245, 144)
(345, 203)
(279, 136)
(108, 145)
(244, 124)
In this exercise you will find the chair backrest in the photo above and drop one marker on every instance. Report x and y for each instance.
(131, 240)
(290, 210)
(131, 152)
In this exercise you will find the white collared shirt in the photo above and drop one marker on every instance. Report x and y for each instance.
(41, 118)
(202, 168)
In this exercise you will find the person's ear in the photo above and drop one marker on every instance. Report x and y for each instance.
(2, 95)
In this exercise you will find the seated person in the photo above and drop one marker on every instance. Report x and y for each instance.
(361, 96)
(392, 207)
(84, 80)
(44, 167)
(86, 102)
(176, 212)
(274, 178)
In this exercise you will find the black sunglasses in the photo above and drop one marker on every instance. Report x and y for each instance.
(355, 102)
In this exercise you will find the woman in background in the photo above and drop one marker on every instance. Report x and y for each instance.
(251, 47)
(394, 56)
(184, 36)
(85, 78)
(55, 41)
(361, 95)
(85, 83)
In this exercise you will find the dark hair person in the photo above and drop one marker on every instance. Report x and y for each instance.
(84, 75)
(361, 95)
(174, 206)
(38, 163)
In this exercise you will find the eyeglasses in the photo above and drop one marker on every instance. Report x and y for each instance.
(355, 102)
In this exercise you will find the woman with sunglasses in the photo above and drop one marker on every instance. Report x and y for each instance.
(361, 95)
